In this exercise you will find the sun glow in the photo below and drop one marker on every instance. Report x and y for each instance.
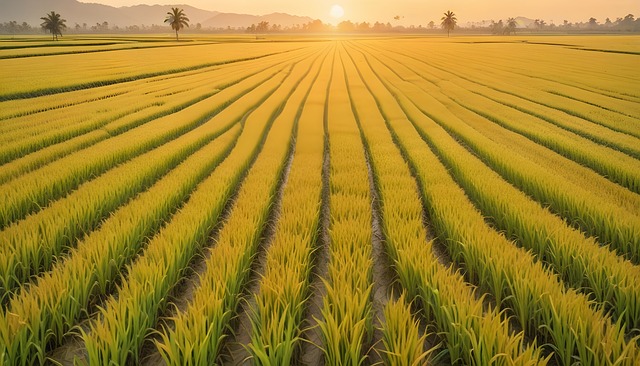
(337, 11)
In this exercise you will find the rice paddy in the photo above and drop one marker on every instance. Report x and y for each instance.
(320, 201)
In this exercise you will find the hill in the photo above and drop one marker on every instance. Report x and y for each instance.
(74, 12)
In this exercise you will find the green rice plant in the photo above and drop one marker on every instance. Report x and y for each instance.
(197, 334)
(612, 164)
(600, 134)
(42, 314)
(403, 343)
(35, 131)
(471, 334)
(531, 290)
(124, 321)
(276, 317)
(29, 251)
(28, 192)
(33, 244)
(580, 261)
(597, 216)
(346, 325)
(548, 96)
(79, 72)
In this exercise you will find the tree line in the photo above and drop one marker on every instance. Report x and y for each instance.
(54, 24)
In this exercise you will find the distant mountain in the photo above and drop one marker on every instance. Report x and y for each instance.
(155, 14)
(524, 22)
(223, 20)
(74, 12)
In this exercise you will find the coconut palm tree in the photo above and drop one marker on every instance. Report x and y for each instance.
(177, 19)
(511, 26)
(54, 24)
(449, 21)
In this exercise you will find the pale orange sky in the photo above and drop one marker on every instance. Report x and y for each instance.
(416, 11)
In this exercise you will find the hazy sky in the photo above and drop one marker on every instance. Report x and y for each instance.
(416, 11)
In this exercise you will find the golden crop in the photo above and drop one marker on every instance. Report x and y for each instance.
(498, 179)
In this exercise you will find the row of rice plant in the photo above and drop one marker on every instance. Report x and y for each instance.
(538, 302)
(229, 77)
(543, 93)
(603, 191)
(38, 317)
(198, 333)
(595, 105)
(31, 191)
(75, 46)
(75, 119)
(14, 109)
(280, 303)
(92, 70)
(346, 326)
(581, 262)
(33, 244)
(568, 173)
(613, 164)
(124, 321)
(444, 298)
(611, 224)
(602, 135)
(578, 76)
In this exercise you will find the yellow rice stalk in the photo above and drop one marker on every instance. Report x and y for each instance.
(124, 322)
(535, 297)
(284, 288)
(471, 335)
(197, 334)
(346, 323)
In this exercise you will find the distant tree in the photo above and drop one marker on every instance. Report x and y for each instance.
(177, 19)
(608, 22)
(314, 26)
(449, 21)
(539, 24)
(364, 27)
(12, 26)
(346, 26)
(431, 24)
(54, 24)
(252, 29)
(593, 22)
(262, 27)
(25, 27)
(497, 28)
(511, 26)
(379, 27)
(628, 22)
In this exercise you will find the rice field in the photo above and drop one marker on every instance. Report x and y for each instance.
(319, 201)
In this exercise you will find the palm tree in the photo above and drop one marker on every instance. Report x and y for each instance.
(449, 21)
(511, 25)
(177, 19)
(54, 24)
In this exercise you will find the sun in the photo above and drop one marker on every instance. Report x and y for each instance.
(337, 11)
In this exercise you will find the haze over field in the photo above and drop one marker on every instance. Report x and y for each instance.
(415, 11)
